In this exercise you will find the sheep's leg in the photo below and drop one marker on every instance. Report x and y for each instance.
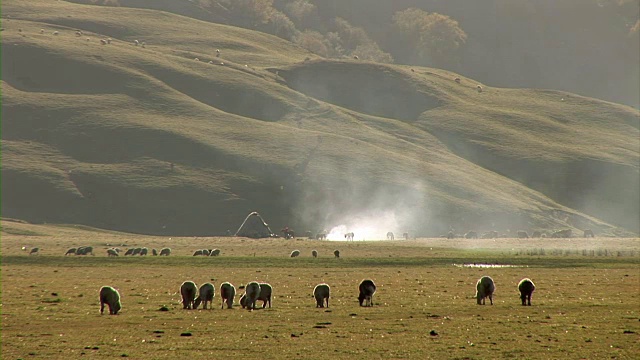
(101, 307)
(491, 299)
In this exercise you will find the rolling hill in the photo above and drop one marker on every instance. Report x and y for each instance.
(151, 140)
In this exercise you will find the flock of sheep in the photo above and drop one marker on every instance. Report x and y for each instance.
(192, 297)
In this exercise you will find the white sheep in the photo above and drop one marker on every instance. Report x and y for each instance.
(265, 294)
(321, 292)
(103, 41)
(227, 293)
(112, 252)
(196, 59)
(479, 88)
(136, 42)
(253, 292)
(366, 290)
(165, 252)
(526, 288)
(457, 79)
(214, 252)
(109, 40)
(70, 251)
(55, 33)
(34, 251)
(314, 253)
(207, 292)
(189, 292)
(485, 287)
(41, 31)
(111, 297)
(295, 253)
(336, 253)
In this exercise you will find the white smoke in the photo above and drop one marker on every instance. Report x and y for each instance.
(368, 227)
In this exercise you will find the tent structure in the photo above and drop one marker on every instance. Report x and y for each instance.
(255, 227)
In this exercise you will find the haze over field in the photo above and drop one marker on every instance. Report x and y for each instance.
(357, 135)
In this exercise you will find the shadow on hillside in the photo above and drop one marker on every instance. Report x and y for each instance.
(365, 88)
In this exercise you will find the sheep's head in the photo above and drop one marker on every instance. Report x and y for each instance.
(116, 308)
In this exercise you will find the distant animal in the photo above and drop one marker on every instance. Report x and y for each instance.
(485, 287)
(129, 251)
(349, 236)
(103, 41)
(336, 253)
(321, 293)
(405, 235)
(295, 253)
(589, 233)
(165, 252)
(34, 251)
(136, 42)
(252, 290)
(111, 297)
(214, 252)
(366, 290)
(479, 88)
(457, 79)
(144, 251)
(526, 288)
(265, 294)
(355, 57)
(566, 233)
(189, 292)
(70, 251)
(390, 236)
(321, 236)
(198, 253)
(154, 252)
(227, 293)
(523, 234)
(112, 252)
(314, 253)
(471, 235)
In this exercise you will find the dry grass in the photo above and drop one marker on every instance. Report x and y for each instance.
(584, 307)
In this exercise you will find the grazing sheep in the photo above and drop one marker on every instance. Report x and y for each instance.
(265, 294)
(253, 293)
(479, 88)
(103, 41)
(70, 251)
(88, 250)
(189, 292)
(349, 236)
(129, 251)
(214, 252)
(390, 236)
(144, 251)
(207, 292)
(143, 44)
(217, 52)
(55, 33)
(589, 233)
(198, 253)
(80, 250)
(34, 251)
(355, 57)
(471, 235)
(314, 253)
(321, 293)
(196, 59)
(485, 287)
(295, 253)
(243, 300)
(78, 32)
(111, 297)
(405, 236)
(154, 252)
(523, 234)
(457, 79)
(88, 39)
(526, 288)
(165, 252)
(136, 42)
(227, 293)
(336, 253)
(112, 252)
(137, 251)
(109, 40)
(562, 234)
(41, 31)
(367, 288)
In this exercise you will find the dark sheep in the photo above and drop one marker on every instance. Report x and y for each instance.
(70, 251)
(366, 290)
(111, 297)
(526, 288)
(189, 292)
(336, 253)
(207, 292)
(485, 287)
(321, 292)
(227, 293)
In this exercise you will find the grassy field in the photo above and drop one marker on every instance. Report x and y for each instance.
(586, 305)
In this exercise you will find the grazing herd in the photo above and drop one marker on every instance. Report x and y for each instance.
(255, 291)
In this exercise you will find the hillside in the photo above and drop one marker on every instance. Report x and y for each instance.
(150, 140)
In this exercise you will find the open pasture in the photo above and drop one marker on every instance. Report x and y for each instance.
(585, 305)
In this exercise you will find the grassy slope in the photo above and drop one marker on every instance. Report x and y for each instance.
(89, 131)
